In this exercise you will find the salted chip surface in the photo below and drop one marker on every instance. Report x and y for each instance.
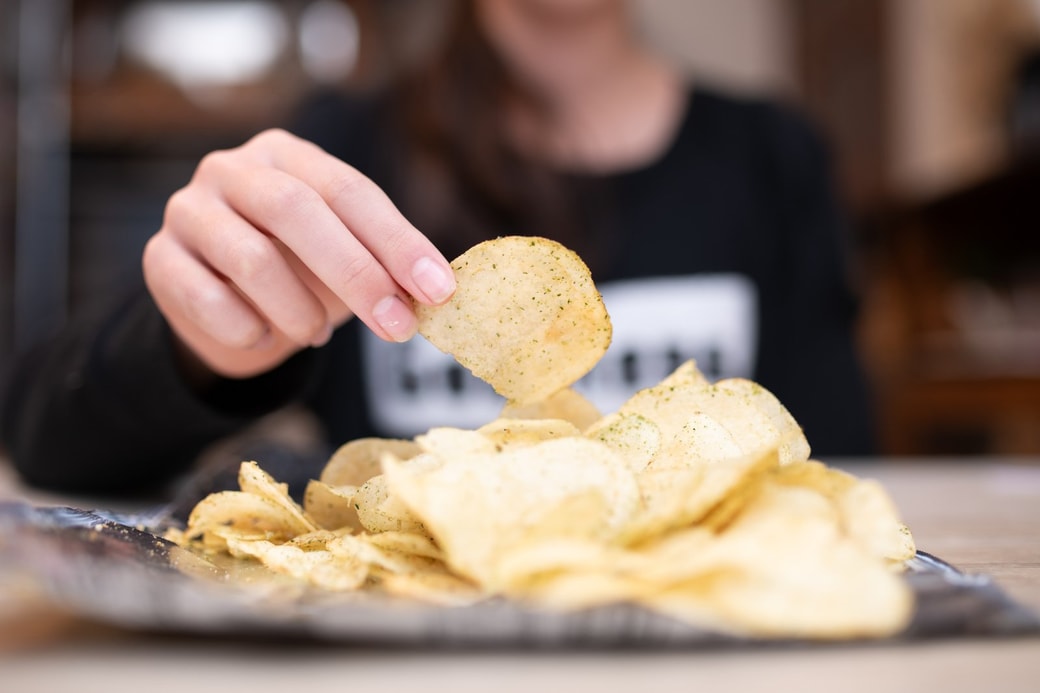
(477, 505)
(567, 404)
(356, 462)
(526, 317)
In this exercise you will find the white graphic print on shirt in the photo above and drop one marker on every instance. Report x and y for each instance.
(658, 324)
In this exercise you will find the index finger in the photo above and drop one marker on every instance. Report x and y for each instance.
(340, 225)
(370, 216)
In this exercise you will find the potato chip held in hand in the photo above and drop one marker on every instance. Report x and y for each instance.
(526, 317)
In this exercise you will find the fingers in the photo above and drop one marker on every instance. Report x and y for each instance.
(285, 207)
(407, 255)
(274, 243)
(341, 226)
(252, 263)
(193, 297)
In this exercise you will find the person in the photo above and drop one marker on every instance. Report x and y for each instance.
(285, 270)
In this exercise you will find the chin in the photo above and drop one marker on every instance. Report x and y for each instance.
(559, 9)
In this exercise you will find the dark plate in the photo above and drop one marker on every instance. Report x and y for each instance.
(114, 569)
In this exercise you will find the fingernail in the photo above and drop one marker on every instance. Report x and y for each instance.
(395, 317)
(433, 279)
(322, 337)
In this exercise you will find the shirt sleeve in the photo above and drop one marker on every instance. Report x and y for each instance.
(102, 407)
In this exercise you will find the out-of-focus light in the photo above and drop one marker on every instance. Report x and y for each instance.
(329, 39)
(1035, 6)
(206, 44)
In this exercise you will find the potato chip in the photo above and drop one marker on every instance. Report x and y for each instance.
(445, 443)
(407, 543)
(589, 577)
(671, 408)
(252, 479)
(359, 460)
(320, 568)
(868, 514)
(789, 570)
(686, 374)
(567, 404)
(317, 540)
(675, 498)
(526, 317)
(580, 587)
(793, 447)
(435, 587)
(536, 561)
(360, 548)
(241, 513)
(703, 439)
(636, 438)
(870, 517)
(331, 507)
(378, 511)
(475, 506)
(505, 433)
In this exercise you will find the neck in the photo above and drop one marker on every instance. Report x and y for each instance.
(603, 100)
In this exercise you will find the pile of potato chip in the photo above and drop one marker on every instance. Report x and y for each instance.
(694, 499)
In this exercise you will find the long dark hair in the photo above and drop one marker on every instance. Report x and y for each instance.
(465, 180)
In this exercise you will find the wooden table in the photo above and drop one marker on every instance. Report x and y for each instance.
(982, 515)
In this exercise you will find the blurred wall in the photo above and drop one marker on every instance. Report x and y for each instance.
(8, 115)
(951, 63)
(745, 44)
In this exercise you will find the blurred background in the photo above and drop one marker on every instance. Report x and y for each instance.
(931, 107)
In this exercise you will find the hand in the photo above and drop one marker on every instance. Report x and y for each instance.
(273, 245)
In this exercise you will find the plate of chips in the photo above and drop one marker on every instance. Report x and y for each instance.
(692, 514)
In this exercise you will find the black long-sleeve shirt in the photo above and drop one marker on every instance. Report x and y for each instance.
(730, 245)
